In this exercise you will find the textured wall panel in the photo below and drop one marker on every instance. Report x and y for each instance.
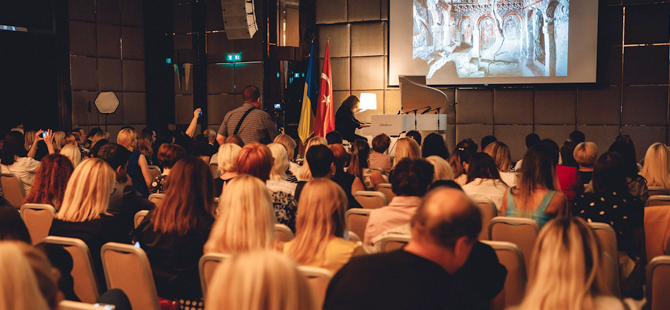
(362, 10)
(83, 73)
(475, 132)
(513, 106)
(609, 66)
(82, 10)
(251, 49)
(132, 13)
(183, 109)
(214, 19)
(248, 74)
(82, 39)
(558, 133)
(133, 75)
(391, 101)
(80, 104)
(220, 78)
(218, 106)
(640, 17)
(645, 136)
(135, 108)
(645, 105)
(474, 106)
(217, 47)
(109, 41)
(133, 43)
(339, 39)
(646, 65)
(602, 136)
(367, 73)
(514, 136)
(555, 106)
(331, 11)
(366, 39)
(183, 42)
(599, 105)
(110, 75)
(108, 11)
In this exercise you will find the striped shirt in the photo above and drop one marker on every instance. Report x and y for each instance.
(256, 126)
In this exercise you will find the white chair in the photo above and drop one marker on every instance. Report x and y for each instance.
(518, 230)
(75, 305)
(85, 280)
(370, 199)
(392, 243)
(658, 283)
(318, 279)
(386, 189)
(511, 257)
(206, 267)
(357, 220)
(154, 171)
(13, 189)
(157, 198)
(139, 217)
(283, 233)
(38, 219)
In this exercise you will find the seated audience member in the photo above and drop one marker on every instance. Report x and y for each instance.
(358, 165)
(484, 181)
(433, 144)
(380, 144)
(320, 228)
(61, 260)
(256, 159)
(304, 174)
(235, 139)
(567, 157)
(58, 139)
(29, 137)
(576, 137)
(96, 148)
(280, 173)
(19, 288)
(144, 146)
(349, 183)
(323, 166)
(227, 165)
(212, 144)
(46, 275)
(93, 136)
(174, 233)
(168, 155)
(50, 181)
(290, 146)
(259, 280)
(442, 267)
(536, 195)
(637, 184)
(486, 141)
(414, 135)
(585, 155)
(567, 270)
(655, 169)
(501, 155)
(138, 167)
(406, 148)
(442, 168)
(72, 152)
(409, 182)
(462, 153)
(531, 139)
(245, 220)
(124, 201)
(14, 159)
(12, 226)
(568, 177)
(201, 148)
(84, 211)
(334, 137)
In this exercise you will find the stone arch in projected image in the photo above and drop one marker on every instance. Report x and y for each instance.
(487, 32)
(557, 30)
(465, 27)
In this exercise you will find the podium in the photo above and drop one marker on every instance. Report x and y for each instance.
(394, 125)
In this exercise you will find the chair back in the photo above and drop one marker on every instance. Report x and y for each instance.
(75, 305)
(38, 219)
(13, 189)
(656, 230)
(607, 238)
(518, 230)
(154, 171)
(370, 199)
(127, 268)
(658, 283)
(488, 211)
(139, 217)
(206, 266)
(156, 198)
(658, 200)
(357, 220)
(318, 280)
(658, 190)
(392, 243)
(85, 281)
(283, 233)
(385, 188)
(511, 257)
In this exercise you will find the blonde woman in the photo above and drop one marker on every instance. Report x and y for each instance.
(443, 170)
(655, 168)
(72, 152)
(290, 145)
(138, 167)
(501, 155)
(280, 166)
(246, 218)
(406, 148)
(320, 228)
(585, 155)
(559, 275)
(259, 280)
(83, 212)
(227, 165)
(304, 174)
(59, 139)
(19, 288)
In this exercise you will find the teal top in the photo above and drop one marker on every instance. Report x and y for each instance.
(539, 214)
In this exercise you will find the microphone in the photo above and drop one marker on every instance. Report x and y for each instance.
(426, 111)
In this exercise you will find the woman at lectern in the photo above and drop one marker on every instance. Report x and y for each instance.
(345, 121)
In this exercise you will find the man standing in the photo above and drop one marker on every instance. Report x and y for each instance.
(248, 121)
(442, 267)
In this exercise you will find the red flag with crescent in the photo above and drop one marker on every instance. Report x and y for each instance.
(325, 115)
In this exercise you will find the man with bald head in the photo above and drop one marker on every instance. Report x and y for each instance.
(442, 267)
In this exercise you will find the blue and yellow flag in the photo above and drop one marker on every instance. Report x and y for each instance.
(306, 125)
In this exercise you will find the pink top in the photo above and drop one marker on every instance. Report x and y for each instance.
(570, 180)
(397, 213)
(379, 160)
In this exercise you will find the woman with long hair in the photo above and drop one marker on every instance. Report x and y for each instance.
(51, 181)
(227, 165)
(138, 166)
(637, 184)
(503, 159)
(14, 159)
(345, 121)
(406, 148)
(72, 152)
(484, 180)
(245, 220)
(567, 270)
(655, 168)
(168, 155)
(280, 166)
(19, 288)
(358, 165)
(144, 146)
(173, 234)
(320, 228)
(537, 193)
(462, 153)
(290, 146)
(442, 168)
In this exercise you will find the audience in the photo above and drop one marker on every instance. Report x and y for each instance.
(483, 180)
(304, 174)
(568, 178)
(655, 169)
(358, 166)
(567, 157)
(462, 153)
(227, 165)
(144, 146)
(235, 139)
(290, 146)
(414, 135)
(576, 137)
(503, 160)
(320, 228)
(138, 169)
(12, 226)
(406, 148)
(486, 141)
(280, 172)
(349, 183)
(201, 148)
(72, 152)
(434, 145)
(442, 168)
(585, 155)
(50, 181)
(378, 158)
(19, 288)
(14, 159)
(334, 137)
(168, 155)
(531, 139)
(637, 184)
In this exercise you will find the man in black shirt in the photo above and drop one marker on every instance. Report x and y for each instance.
(442, 267)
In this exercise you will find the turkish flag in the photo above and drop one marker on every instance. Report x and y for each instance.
(325, 116)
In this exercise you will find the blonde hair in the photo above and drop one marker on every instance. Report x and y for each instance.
(304, 173)
(288, 143)
(585, 154)
(320, 216)
(126, 138)
(87, 194)
(59, 136)
(226, 158)
(246, 218)
(500, 154)
(19, 288)
(259, 280)
(30, 138)
(655, 168)
(72, 152)
(443, 170)
(567, 268)
(46, 275)
(406, 148)
(280, 164)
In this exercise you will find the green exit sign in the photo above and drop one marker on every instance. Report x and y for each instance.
(234, 57)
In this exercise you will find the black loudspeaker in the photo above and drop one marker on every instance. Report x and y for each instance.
(239, 19)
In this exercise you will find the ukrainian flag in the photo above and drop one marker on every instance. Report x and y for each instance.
(306, 126)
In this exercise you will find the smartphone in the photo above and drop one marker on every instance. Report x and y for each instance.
(277, 106)
(200, 112)
(137, 244)
(44, 134)
(104, 306)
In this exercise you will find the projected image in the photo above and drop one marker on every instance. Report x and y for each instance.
(492, 38)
